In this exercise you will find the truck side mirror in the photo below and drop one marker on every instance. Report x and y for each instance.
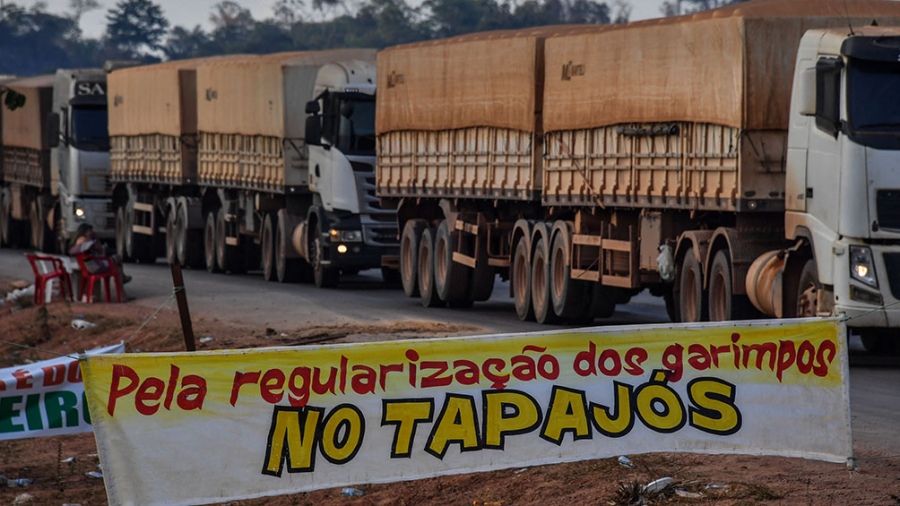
(807, 92)
(53, 129)
(313, 135)
(312, 107)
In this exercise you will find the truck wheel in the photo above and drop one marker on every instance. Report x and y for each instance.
(287, 270)
(172, 235)
(724, 304)
(880, 342)
(691, 296)
(209, 243)
(267, 245)
(451, 280)
(567, 294)
(540, 285)
(409, 253)
(425, 277)
(672, 310)
(121, 231)
(481, 279)
(808, 290)
(324, 277)
(521, 282)
(41, 238)
(228, 257)
(603, 300)
(188, 243)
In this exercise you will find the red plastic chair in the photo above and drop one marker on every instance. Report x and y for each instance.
(89, 280)
(47, 268)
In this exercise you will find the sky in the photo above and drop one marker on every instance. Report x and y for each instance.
(189, 13)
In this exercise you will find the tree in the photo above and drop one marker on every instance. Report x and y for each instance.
(79, 7)
(135, 29)
(679, 7)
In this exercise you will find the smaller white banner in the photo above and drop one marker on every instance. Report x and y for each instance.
(45, 398)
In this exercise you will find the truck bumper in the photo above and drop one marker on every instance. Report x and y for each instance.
(358, 256)
(866, 306)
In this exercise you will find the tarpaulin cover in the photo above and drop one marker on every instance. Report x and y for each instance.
(24, 127)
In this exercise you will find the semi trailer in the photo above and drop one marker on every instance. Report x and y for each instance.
(238, 162)
(740, 163)
(55, 167)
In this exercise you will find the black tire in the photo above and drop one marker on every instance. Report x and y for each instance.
(540, 284)
(230, 258)
(41, 236)
(172, 235)
(521, 282)
(267, 247)
(209, 243)
(287, 270)
(188, 242)
(672, 310)
(122, 231)
(481, 279)
(324, 277)
(451, 280)
(12, 232)
(692, 297)
(425, 275)
(603, 300)
(724, 304)
(880, 342)
(807, 290)
(409, 256)
(566, 294)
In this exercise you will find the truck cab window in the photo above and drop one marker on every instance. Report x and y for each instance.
(349, 123)
(89, 128)
(828, 94)
(873, 101)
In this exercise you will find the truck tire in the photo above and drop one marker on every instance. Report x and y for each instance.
(287, 270)
(409, 255)
(122, 229)
(267, 245)
(724, 304)
(808, 290)
(41, 237)
(521, 282)
(481, 279)
(540, 284)
(425, 277)
(188, 242)
(11, 231)
(209, 243)
(171, 233)
(324, 277)
(672, 310)
(603, 300)
(691, 295)
(229, 258)
(567, 294)
(451, 280)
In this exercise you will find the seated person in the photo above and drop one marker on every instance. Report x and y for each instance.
(87, 243)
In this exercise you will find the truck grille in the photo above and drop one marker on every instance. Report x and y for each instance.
(887, 203)
(892, 265)
(380, 235)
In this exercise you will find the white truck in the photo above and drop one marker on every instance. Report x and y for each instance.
(56, 161)
(234, 161)
(701, 157)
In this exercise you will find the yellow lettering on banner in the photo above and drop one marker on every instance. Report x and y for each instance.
(567, 413)
(623, 421)
(406, 415)
(715, 411)
(457, 423)
(508, 412)
(343, 433)
(658, 405)
(292, 438)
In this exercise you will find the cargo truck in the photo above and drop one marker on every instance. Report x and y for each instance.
(240, 162)
(55, 171)
(739, 163)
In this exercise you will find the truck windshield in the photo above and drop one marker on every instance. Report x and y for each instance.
(89, 128)
(356, 127)
(873, 102)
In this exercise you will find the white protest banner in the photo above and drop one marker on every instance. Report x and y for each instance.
(45, 398)
(192, 428)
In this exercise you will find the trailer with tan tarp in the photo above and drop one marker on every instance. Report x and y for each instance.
(590, 163)
(215, 165)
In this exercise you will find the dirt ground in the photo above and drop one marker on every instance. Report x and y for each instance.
(696, 479)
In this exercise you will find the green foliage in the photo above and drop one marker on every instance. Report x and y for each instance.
(34, 41)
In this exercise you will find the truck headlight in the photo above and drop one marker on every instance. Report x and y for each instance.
(862, 268)
(79, 213)
(345, 235)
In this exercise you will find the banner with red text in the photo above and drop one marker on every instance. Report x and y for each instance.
(191, 428)
(45, 398)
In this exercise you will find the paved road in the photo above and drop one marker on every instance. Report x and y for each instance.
(251, 301)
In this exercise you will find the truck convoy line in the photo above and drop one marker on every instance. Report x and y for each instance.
(704, 158)
(228, 161)
(55, 170)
